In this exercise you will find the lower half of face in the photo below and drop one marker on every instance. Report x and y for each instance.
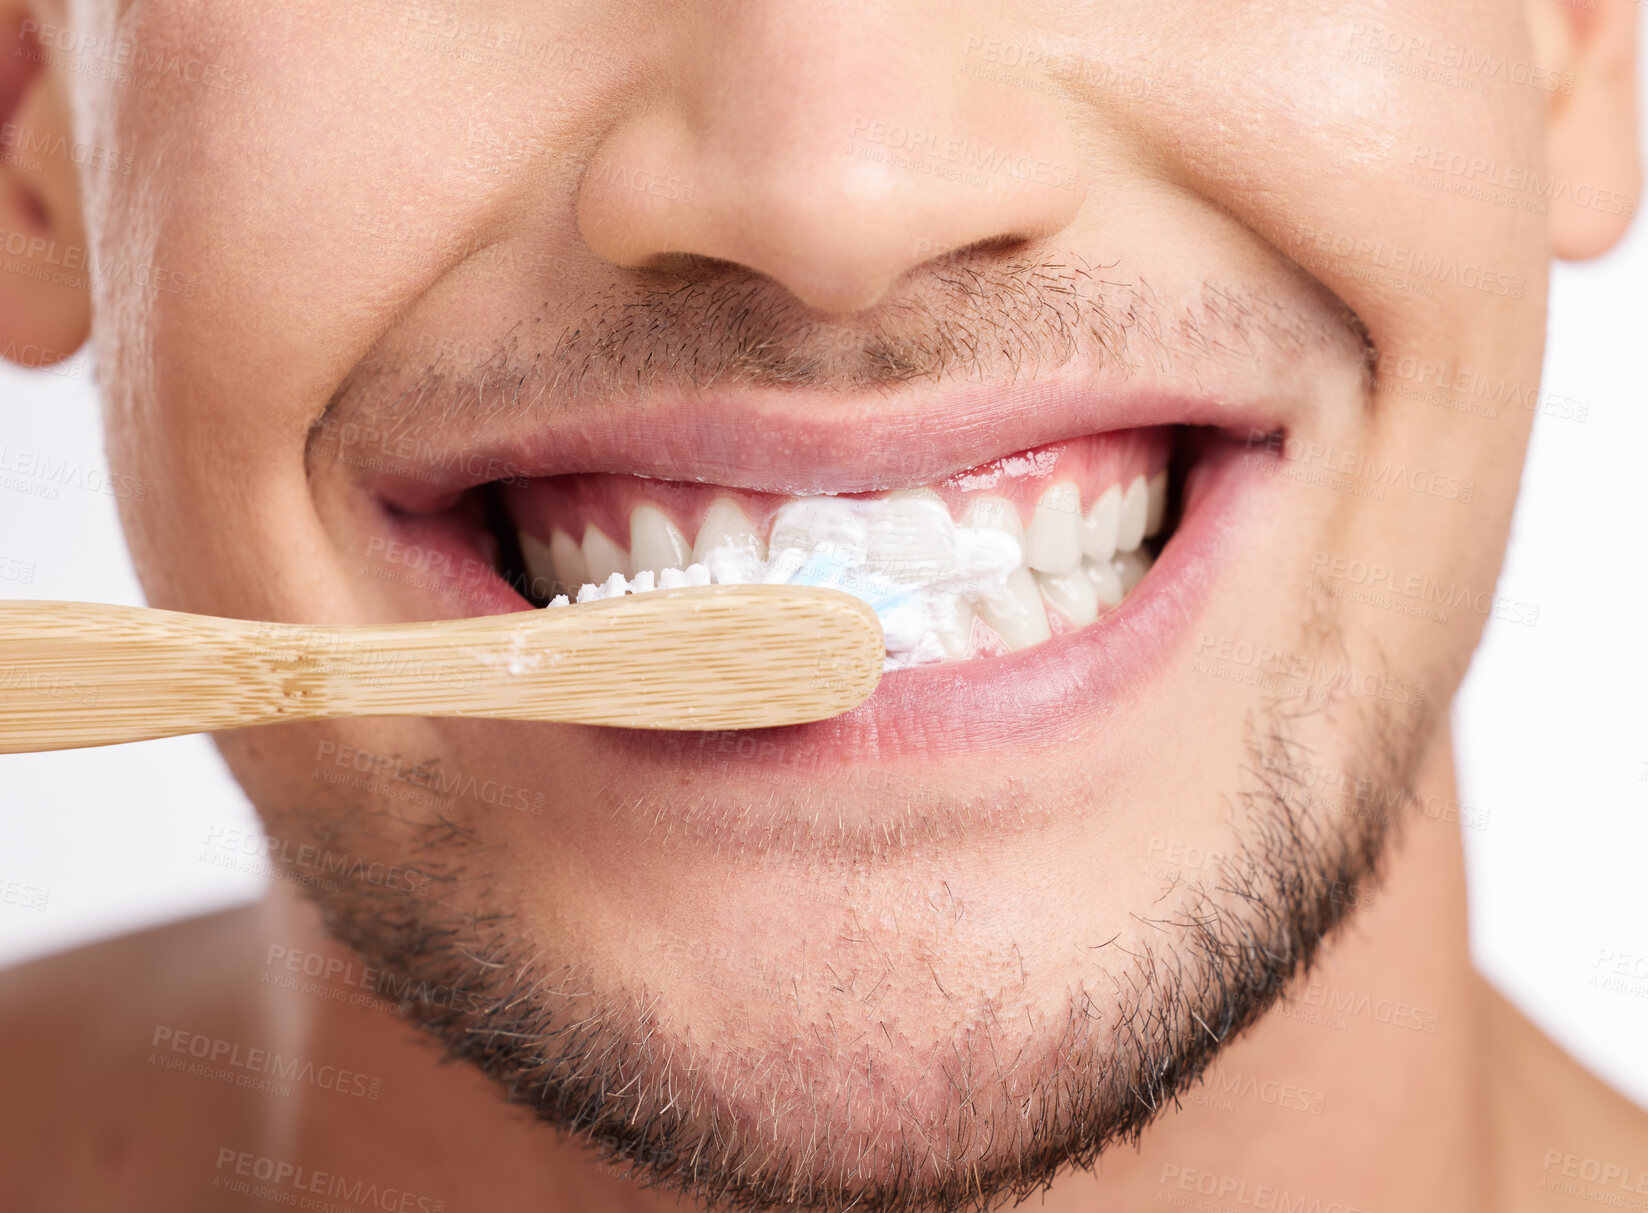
(958, 935)
(1178, 501)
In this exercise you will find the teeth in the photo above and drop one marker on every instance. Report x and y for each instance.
(1101, 525)
(911, 539)
(995, 513)
(602, 557)
(1156, 513)
(1130, 568)
(725, 525)
(943, 591)
(1013, 608)
(1053, 539)
(568, 560)
(953, 626)
(1071, 595)
(992, 537)
(540, 564)
(831, 523)
(1106, 582)
(1135, 510)
(656, 543)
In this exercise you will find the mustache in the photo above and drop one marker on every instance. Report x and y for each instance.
(694, 325)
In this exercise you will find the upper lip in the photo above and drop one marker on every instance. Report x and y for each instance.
(797, 442)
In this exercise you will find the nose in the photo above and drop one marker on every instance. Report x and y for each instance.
(832, 147)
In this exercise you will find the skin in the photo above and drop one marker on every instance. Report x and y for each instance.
(339, 194)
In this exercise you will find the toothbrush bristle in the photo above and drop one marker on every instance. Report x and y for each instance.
(646, 580)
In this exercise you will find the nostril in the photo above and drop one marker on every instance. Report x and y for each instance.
(1006, 244)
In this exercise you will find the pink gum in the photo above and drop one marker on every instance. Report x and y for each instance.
(1093, 463)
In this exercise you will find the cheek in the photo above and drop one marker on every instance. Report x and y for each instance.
(237, 297)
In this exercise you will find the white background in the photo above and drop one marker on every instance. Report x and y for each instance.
(1551, 727)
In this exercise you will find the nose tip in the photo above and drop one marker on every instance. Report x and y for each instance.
(835, 191)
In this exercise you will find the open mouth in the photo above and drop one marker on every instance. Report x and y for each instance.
(1020, 595)
(985, 562)
(982, 563)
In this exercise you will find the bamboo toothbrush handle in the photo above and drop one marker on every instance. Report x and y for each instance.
(718, 657)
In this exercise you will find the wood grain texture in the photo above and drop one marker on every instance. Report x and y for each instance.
(714, 657)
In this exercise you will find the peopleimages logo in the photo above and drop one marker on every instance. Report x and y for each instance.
(29, 141)
(1427, 51)
(1421, 588)
(1240, 1192)
(313, 864)
(331, 971)
(284, 1179)
(1226, 1086)
(1470, 391)
(221, 1059)
(1399, 259)
(80, 267)
(1389, 1011)
(1470, 169)
(51, 473)
(1363, 467)
(428, 776)
(1604, 1173)
(1296, 674)
(23, 896)
(73, 50)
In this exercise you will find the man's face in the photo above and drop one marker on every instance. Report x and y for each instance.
(618, 255)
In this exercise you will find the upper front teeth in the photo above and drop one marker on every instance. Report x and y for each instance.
(1102, 525)
(926, 575)
(725, 526)
(1053, 541)
(1135, 511)
(602, 557)
(911, 538)
(540, 565)
(837, 524)
(655, 542)
(569, 561)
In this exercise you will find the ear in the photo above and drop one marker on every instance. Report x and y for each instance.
(45, 296)
(1591, 133)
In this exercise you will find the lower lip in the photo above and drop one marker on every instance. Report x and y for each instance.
(1037, 696)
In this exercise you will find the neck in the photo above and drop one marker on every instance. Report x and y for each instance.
(1383, 1042)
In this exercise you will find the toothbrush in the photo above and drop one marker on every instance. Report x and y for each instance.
(78, 674)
